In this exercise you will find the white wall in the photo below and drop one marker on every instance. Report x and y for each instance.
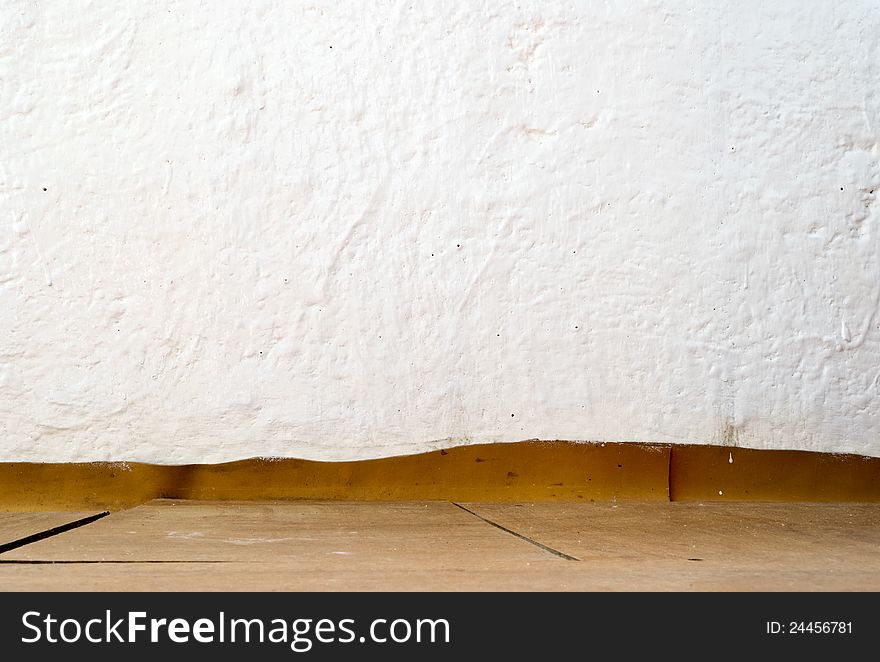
(351, 229)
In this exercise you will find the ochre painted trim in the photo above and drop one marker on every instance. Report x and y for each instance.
(716, 473)
(523, 471)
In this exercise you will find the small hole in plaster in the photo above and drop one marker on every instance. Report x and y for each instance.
(45, 189)
(512, 415)
(841, 188)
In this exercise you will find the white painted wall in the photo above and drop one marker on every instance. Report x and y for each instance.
(352, 229)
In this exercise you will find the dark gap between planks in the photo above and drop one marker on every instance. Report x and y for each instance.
(48, 533)
(531, 541)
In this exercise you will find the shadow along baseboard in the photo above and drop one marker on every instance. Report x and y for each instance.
(522, 471)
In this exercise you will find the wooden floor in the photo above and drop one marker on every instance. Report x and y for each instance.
(439, 545)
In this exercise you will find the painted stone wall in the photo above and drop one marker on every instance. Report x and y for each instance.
(340, 230)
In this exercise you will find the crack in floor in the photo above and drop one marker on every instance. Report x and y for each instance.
(531, 541)
(54, 531)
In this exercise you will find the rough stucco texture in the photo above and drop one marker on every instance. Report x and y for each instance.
(341, 230)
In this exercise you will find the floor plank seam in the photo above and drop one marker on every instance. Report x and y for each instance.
(54, 531)
(531, 541)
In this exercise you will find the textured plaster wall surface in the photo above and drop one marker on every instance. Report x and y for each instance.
(350, 229)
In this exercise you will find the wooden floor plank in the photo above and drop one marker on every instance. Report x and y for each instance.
(488, 575)
(382, 533)
(783, 536)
